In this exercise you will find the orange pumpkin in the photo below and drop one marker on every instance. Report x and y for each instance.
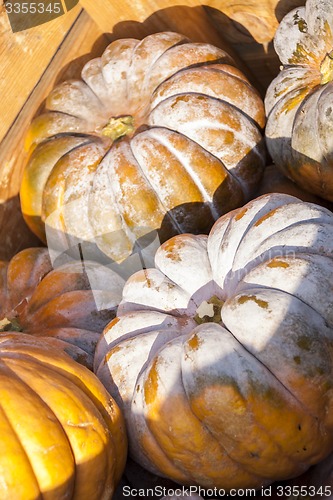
(160, 134)
(299, 101)
(221, 355)
(70, 305)
(317, 482)
(62, 435)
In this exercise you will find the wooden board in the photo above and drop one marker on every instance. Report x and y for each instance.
(82, 41)
(32, 61)
(245, 28)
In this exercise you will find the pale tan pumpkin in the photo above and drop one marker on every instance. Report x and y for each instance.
(69, 305)
(62, 435)
(160, 134)
(299, 101)
(221, 356)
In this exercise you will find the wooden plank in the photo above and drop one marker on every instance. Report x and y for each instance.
(250, 20)
(249, 27)
(23, 59)
(82, 42)
(243, 28)
(137, 19)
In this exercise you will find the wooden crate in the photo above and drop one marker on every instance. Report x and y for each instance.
(32, 61)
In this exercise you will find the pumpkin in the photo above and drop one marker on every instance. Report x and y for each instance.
(299, 100)
(317, 481)
(274, 181)
(62, 435)
(69, 305)
(221, 355)
(160, 134)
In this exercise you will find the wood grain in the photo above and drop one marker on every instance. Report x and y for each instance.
(138, 19)
(244, 28)
(82, 41)
(23, 59)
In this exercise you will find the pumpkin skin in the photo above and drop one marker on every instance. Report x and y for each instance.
(58, 304)
(274, 181)
(63, 436)
(189, 146)
(298, 102)
(317, 479)
(221, 356)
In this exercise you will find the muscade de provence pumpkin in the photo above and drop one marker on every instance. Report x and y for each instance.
(221, 355)
(159, 134)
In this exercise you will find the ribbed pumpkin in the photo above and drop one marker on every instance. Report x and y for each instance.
(160, 134)
(70, 305)
(62, 435)
(299, 101)
(221, 356)
(184, 495)
(318, 481)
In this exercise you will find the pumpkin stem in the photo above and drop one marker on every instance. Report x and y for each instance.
(209, 311)
(118, 127)
(326, 69)
(10, 325)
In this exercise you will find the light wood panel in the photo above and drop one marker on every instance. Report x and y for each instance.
(245, 28)
(82, 41)
(24, 56)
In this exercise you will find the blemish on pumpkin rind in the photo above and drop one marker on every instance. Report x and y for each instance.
(295, 101)
(304, 343)
(278, 263)
(241, 214)
(170, 248)
(112, 351)
(194, 342)
(246, 298)
(301, 23)
(264, 217)
(181, 98)
(114, 322)
(297, 360)
(300, 54)
(151, 384)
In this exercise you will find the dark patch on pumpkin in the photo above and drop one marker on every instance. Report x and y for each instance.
(304, 343)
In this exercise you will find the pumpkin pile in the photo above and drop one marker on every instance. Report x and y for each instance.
(215, 361)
